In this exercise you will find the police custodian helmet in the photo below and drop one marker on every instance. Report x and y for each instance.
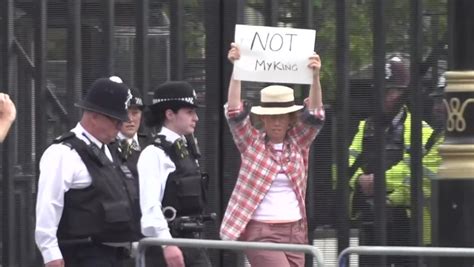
(137, 100)
(397, 73)
(108, 96)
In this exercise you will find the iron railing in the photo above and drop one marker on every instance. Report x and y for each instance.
(222, 244)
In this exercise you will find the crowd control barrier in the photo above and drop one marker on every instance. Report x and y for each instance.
(221, 244)
(404, 251)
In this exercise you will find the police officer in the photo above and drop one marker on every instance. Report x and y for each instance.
(172, 188)
(128, 146)
(129, 141)
(394, 123)
(84, 213)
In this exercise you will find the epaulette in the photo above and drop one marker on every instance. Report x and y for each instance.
(142, 135)
(63, 137)
(161, 142)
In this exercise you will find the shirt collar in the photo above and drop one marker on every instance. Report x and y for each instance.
(84, 135)
(170, 135)
(120, 136)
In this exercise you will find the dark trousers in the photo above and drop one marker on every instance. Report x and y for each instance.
(94, 255)
(398, 234)
(398, 230)
(193, 257)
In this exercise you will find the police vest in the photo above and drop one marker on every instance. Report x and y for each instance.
(186, 187)
(398, 176)
(130, 156)
(104, 210)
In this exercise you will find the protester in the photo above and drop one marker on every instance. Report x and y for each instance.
(273, 172)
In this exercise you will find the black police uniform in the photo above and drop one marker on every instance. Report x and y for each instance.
(398, 223)
(185, 192)
(92, 198)
(101, 213)
(129, 155)
(128, 158)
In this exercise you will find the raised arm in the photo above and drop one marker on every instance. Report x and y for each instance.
(7, 115)
(233, 96)
(315, 99)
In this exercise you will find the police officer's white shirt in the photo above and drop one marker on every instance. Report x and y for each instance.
(154, 166)
(120, 136)
(61, 169)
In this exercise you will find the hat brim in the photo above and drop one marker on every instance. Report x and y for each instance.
(91, 107)
(258, 110)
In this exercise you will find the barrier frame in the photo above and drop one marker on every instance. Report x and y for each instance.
(223, 244)
(404, 251)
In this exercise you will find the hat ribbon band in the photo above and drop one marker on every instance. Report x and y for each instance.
(277, 104)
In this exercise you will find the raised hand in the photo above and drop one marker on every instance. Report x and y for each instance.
(7, 108)
(315, 64)
(234, 53)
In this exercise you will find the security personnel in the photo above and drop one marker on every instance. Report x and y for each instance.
(84, 212)
(128, 146)
(395, 120)
(172, 188)
(129, 141)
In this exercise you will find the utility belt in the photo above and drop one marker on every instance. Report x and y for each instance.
(364, 210)
(191, 226)
(92, 241)
(120, 249)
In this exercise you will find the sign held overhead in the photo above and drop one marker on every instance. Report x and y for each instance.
(274, 54)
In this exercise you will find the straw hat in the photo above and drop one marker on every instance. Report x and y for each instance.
(275, 100)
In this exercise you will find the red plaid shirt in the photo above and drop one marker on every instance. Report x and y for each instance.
(260, 166)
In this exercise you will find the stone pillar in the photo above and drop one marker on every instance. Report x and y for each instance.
(456, 173)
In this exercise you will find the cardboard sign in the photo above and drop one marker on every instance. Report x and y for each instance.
(273, 54)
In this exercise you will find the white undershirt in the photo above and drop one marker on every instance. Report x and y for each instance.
(280, 202)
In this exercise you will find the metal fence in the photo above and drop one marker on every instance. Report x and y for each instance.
(51, 50)
(404, 251)
(221, 244)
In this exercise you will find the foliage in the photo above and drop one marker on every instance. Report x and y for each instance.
(360, 23)
(360, 28)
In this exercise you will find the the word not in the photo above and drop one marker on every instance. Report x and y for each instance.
(274, 65)
(275, 42)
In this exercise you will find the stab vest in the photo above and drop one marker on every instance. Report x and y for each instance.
(185, 187)
(104, 210)
(394, 141)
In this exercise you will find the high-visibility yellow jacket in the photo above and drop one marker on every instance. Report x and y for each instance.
(398, 176)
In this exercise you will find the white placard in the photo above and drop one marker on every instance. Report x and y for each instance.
(274, 54)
